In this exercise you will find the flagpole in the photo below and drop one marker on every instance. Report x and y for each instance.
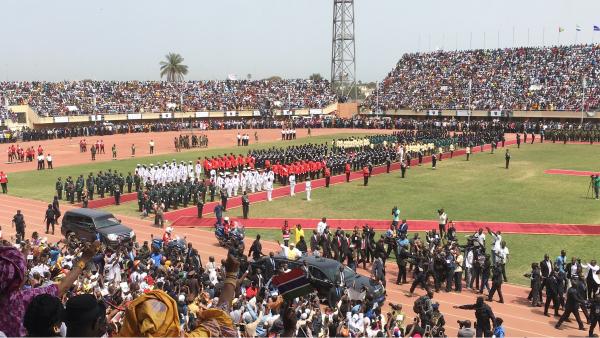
(471, 41)
(528, 45)
(498, 39)
(543, 36)
(513, 37)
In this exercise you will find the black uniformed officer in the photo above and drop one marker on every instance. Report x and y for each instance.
(129, 182)
(18, 222)
(117, 194)
(403, 168)
(507, 157)
(245, 205)
(59, 188)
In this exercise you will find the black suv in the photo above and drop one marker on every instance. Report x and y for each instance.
(323, 274)
(90, 224)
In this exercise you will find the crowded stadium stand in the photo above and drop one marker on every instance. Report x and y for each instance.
(113, 97)
(526, 79)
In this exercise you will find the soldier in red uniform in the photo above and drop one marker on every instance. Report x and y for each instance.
(327, 177)
(366, 174)
(347, 170)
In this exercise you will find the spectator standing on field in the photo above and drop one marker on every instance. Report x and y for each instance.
(151, 144)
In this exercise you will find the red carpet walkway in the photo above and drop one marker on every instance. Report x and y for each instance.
(570, 172)
(234, 202)
(414, 225)
(104, 202)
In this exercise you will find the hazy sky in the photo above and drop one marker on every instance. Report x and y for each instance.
(126, 39)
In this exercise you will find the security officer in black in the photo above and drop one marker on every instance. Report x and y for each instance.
(200, 203)
(100, 183)
(89, 183)
(137, 181)
(403, 168)
(129, 181)
(117, 194)
(59, 188)
(507, 158)
(71, 191)
(79, 187)
(121, 181)
(552, 292)
(388, 163)
(140, 199)
(572, 304)
(594, 314)
(484, 315)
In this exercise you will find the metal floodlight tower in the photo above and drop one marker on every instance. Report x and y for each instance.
(343, 49)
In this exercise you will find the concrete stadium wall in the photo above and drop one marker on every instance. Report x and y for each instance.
(521, 114)
(34, 120)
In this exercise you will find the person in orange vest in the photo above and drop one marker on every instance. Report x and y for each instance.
(4, 182)
(365, 176)
(327, 177)
(347, 170)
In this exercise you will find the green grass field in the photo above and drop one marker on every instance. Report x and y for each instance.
(40, 184)
(524, 249)
(480, 189)
(477, 190)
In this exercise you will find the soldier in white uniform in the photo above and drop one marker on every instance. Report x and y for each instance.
(235, 180)
(308, 188)
(252, 181)
(292, 184)
(219, 182)
(269, 185)
(244, 179)
(259, 180)
(198, 169)
(229, 185)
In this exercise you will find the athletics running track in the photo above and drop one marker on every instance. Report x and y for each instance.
(520, 320)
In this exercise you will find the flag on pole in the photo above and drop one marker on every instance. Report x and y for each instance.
(578, 28)
(293, 284)
(596, 28)
(560, 29)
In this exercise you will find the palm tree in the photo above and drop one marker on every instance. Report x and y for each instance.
(173, 67)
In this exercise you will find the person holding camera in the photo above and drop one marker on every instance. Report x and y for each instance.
(465, 329)
(484, 315)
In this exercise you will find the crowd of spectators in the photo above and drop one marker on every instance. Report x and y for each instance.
(548, 78)
(112, 97)
(6, 113)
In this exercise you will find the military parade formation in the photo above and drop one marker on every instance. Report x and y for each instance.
(170, 185)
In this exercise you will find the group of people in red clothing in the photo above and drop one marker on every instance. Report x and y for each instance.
(16, 153)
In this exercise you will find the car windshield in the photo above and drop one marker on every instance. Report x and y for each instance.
(106, 222)
(348, 273)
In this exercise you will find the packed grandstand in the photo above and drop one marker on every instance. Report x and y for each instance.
(548, 78)
(112, 97)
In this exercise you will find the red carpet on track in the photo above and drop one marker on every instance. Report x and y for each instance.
(234, 202)
(104, 202)
(570, 172)
(414, 225)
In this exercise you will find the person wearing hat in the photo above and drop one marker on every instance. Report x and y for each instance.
(13, 269)
(85, 316)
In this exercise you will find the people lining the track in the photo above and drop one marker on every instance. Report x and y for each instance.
(533, 78)
(241, 298)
